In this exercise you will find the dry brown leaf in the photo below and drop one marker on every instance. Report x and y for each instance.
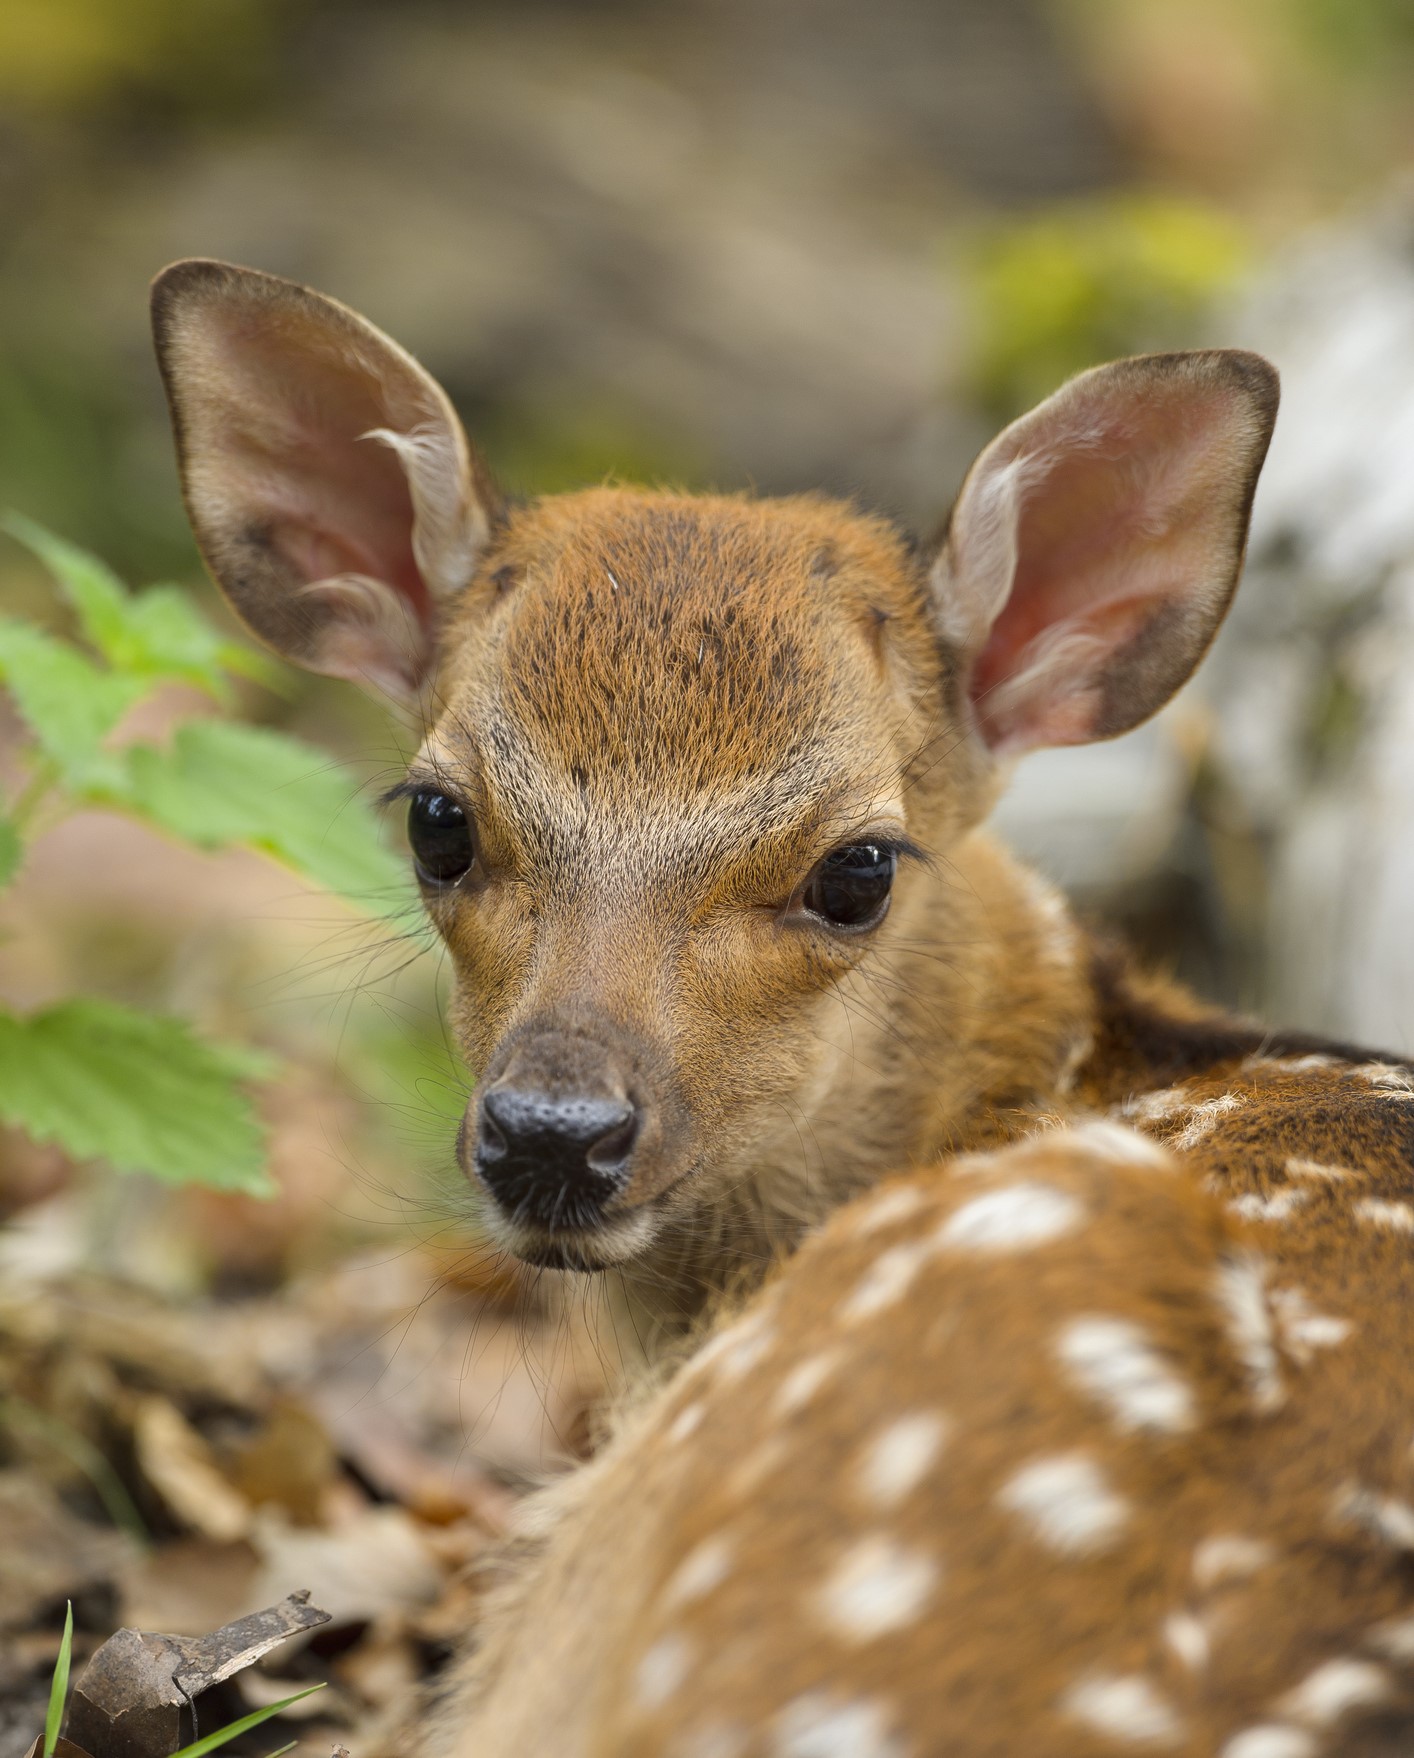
(125, 1703)
(128, 1701)
(290, 1462)
(180, 1466)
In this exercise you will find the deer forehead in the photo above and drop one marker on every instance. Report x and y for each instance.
(695, 681)
(694, 641)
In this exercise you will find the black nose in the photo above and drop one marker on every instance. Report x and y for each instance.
(554, 1159)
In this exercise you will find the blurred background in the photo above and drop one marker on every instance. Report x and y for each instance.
(772, 243)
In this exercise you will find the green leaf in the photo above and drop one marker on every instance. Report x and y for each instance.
(221, 782)
(59, 1685)
(90, 585)
(12, 852)
(199, 1748)
(154, 634)
(167, 636)
(68, 703)
(137, 1090)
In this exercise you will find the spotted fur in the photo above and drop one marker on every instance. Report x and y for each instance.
(1085, 1434)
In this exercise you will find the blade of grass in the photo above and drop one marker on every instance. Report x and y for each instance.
(80, 1451)
(211, 1741)
(59, 1686)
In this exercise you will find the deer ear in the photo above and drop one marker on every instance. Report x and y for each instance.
(328, 480)
(1097, 543)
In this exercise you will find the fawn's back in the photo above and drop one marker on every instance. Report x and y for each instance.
(1086, 1445)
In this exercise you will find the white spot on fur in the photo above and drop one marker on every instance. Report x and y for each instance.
(1317, 1169)
(1392, 1217)
(1203, 1120)
(1228, 1557)
(1119, 1145)
(886, 1281)
(686, 1423)
(1303, 1329)
(802, 1383)
(1158, 1107)
(661, 1671)
(1068, 1503)
(1187, 1637)
(816, 1726)
(1383, 1517)
(1253, 1207)
(1018, 1217)
(1396, 1082)
(876, 1587)
(898, 1460)
(900, 1202)
(732, 1352)
(1241, 1292)
(1334, 1689)
(1291, 1064)
(1394, 1639)
(1117, 1364)
(1124, 1707)
(1270, 1740)
(705, 1567)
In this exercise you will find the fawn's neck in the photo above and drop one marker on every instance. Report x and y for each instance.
(969, 1025)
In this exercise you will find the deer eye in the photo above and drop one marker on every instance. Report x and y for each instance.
(440, 835)
(850, 888)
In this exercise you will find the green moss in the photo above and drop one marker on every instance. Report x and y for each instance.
(1085, 282)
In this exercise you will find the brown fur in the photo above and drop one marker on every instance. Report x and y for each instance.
(1303, 1455)
(661, 712)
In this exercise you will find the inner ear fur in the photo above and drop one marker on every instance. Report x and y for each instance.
(1097, 542)
(333, 493)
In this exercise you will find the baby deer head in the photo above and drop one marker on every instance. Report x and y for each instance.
(695, 766)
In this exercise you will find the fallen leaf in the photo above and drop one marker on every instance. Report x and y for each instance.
(128, 1701)
(180, 1466)
(207, 1660)
(125, 1703)
(289, 1462)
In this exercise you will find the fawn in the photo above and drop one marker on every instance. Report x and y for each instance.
(1064, 1442)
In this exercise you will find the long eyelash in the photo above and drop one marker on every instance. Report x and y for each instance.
(400, 790)
(906, 850)
(412, 785)
(901, 847)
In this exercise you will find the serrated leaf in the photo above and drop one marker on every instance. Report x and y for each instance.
(90, 585)
(220, 782)
(167, 636)
(67, 701)
(158, 633)
(12, 852)
(138, 1090)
